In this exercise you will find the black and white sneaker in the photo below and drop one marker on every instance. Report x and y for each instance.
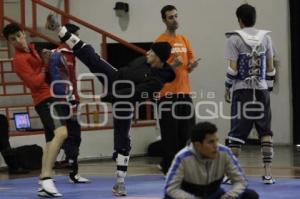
(268, 180)
(48, 189)
(226, 180)
(77, 179)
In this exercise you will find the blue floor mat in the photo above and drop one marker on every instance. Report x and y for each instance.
(139, 187)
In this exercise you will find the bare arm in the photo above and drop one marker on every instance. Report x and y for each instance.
(233, 65)
(193, 64)
(270, 63)
(177, 62)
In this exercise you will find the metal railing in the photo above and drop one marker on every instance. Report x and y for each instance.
(65, 17)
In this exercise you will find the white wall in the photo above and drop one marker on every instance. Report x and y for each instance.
(204, 22)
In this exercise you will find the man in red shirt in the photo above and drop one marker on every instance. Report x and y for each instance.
(30, 68)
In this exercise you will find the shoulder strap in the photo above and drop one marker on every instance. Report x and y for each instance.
(63, 50)
(250, 40)
(60, 52)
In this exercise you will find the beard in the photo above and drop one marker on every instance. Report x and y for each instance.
(173, 27)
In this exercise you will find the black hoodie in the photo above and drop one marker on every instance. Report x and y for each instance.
(146, 79)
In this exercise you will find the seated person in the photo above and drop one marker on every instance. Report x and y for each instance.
(198, 169)
(21, 159)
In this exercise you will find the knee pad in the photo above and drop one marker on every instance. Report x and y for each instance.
(123, 152)
(121, 174)
(122, 159)
(122, 162)
(267, 149)
(235, 145)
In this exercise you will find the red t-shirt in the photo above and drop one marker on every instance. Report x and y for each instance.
(30, 68)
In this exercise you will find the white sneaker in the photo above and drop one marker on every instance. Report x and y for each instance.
(48, 189)
(268, 180)
(119, 189)
(76, 179)
(40, 181)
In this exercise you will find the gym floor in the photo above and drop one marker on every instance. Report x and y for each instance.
(145, 180)
(286, 164)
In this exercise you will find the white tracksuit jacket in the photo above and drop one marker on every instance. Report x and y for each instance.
(192, 176)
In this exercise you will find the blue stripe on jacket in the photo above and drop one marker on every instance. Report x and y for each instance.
(179, 158)
(233, 158)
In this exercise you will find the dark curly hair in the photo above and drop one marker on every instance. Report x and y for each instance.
(166, 9)
(10, 29)
(200, 130)
(247, 14)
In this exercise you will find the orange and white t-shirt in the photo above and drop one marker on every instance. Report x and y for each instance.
(180, 46)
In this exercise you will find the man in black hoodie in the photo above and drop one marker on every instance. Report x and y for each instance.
(146, 75)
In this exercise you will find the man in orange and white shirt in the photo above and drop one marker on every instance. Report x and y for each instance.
(175, 130)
